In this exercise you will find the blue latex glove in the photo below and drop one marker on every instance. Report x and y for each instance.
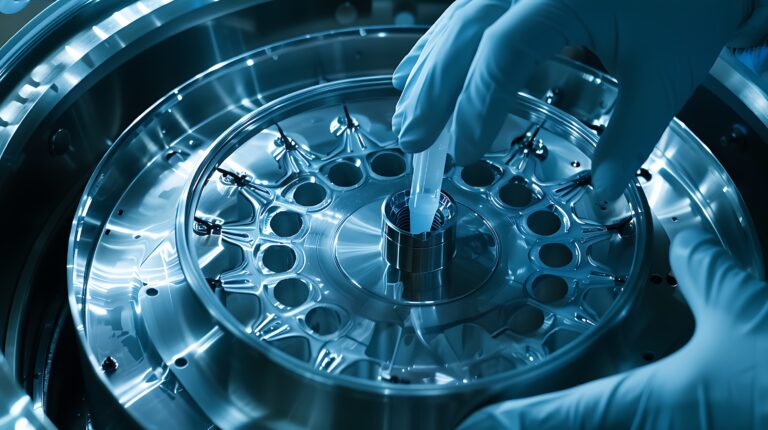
(481, 52)
(12, 6)
(718, 380)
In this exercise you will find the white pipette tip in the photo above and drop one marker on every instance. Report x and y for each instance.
(428, 171)
(421, 218)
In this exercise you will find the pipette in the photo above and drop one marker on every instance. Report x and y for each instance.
(428, 170)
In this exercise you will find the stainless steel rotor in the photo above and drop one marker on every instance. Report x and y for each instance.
(267, 278)
(74, 84)
(534, 265)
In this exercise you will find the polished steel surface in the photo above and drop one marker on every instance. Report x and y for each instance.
(255, 224)
(558, 275)
(418, 253)
(16, 409)
(138, 339)
(287, 157)
(459, 264)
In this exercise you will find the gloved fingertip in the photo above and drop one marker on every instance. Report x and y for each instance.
(397, 121)
(412, 146)
(399, 79)
(403, 70)
(480, 420)
(609, 180)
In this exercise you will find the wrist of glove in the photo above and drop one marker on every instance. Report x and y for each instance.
(718, 380)
(754, 30)
(12, 6)
(481, 52)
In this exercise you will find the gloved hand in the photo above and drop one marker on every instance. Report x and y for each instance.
(12, 6)
(718, 380)
(481, 52)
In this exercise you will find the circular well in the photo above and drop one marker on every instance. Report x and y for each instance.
(555, 255)
(549, 288)
(526, 320)
(516, 194)
(544, 223)
(323, 321)
(345, 174)
(291, 292)
(480, 174)
(388, 164)
(278, 258)
(286, 224)
(309, 194)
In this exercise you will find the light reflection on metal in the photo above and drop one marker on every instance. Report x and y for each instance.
(119, 242)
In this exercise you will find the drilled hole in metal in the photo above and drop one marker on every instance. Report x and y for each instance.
(309, 194)
(286, 224)
(345, 174)
(549, 288)
(526, 320)
(175, 157)
(671, 280)
(323, 321)
(291, 292)
(545, 223)
(480, 174)
(181, 362)
(560, 338)
(516, 194)
(279, 258)
(388, 164)
(644, 174)
(152, 292)
(555, 255)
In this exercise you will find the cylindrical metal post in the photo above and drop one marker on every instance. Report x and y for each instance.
(418, 253)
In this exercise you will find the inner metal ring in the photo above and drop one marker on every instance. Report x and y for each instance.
(358, 249)
(151, 340)
(364, 323)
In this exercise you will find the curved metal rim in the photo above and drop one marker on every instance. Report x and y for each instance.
(5, 54)
(77, 288)
(35, 30)
(680, 128)
(217, 312)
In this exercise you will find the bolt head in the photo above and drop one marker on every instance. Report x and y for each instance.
(60, 142)
(109, 365)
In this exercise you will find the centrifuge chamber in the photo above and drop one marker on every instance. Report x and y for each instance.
(207, 224)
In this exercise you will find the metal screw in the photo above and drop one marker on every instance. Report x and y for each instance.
(737, 137)
(175, 157)
(60, 142)
(552, 96)
(109, 365)
(645, 174)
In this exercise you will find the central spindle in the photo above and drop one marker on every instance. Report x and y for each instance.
(418, 253)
